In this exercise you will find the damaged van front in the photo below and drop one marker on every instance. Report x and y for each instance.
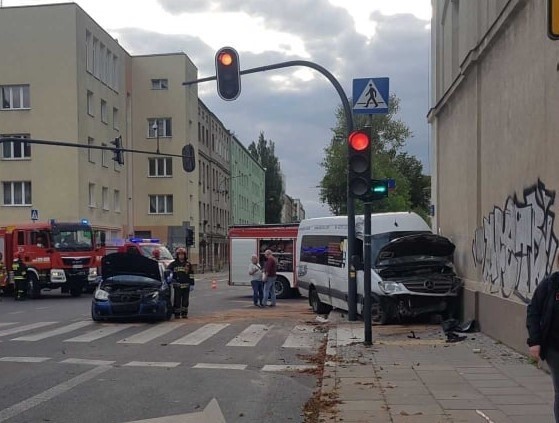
(415, 275)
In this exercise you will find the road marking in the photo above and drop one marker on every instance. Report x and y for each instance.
(220, 366)
(286, 367)
(152, 364)
(87, 362)
(25, 359)
(49, 394)
(250, 336)
(64, 329)
(99, 333)
(8, 324)
(16, 312)
(301, 336)
(200, 335)
(151, 333)
(41, 308)
(211, 414)
(31, 326)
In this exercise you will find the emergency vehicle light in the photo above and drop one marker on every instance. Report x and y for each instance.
(151, 240)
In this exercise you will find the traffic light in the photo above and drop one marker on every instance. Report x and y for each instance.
(118, 155)
(228, 73)
(189, 237)
(359, 161)
(553, 19)
(379, 189)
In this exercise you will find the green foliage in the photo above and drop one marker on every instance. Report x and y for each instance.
(388, 135)
(263, 152)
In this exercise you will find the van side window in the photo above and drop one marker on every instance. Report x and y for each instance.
(327, 250)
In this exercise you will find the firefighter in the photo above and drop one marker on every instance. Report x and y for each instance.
(20, 278)
(183, 283)
(2, 275)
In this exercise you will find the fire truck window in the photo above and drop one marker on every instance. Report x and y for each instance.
(21, 238)
(39, 239)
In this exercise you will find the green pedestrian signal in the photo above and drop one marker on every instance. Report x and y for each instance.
(379, 189)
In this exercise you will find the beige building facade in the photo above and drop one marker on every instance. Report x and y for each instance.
(494, 101)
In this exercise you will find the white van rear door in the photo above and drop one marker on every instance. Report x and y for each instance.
(241, 251)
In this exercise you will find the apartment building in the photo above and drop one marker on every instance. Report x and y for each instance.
(494, 103)
(64, 78)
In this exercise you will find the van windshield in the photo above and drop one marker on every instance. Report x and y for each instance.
(378, 241)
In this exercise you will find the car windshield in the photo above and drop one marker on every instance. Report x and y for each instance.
(164, 254)
(129, 280)
(73, 240)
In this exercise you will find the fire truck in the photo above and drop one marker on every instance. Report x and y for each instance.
(281, 239)
(57, 254)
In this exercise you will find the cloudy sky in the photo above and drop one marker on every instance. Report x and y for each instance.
(294, 107)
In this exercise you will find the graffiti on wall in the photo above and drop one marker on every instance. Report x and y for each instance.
(516, 246)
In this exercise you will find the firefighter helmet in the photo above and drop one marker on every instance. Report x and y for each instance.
(180, 250)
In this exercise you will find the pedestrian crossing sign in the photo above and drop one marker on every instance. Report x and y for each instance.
(370, 96)
(34, 214)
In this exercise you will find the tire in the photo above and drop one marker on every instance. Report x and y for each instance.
(94, 316)
(318, 306)
(282, 288)
(381, 311)
(168, 312)
(33, 289)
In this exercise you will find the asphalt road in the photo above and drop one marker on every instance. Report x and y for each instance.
(230, 361)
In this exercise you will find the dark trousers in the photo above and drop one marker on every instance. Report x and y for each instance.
(21, 289)
(552, 358)
(257, 292)
(182, 298)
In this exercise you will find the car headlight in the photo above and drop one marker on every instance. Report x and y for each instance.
(101, 295)
(390, 287)
(154, 296)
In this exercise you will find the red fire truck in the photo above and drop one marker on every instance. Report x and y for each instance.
(58, 255)
(281, 239)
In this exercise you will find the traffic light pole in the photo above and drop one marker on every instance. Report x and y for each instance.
(352, 281)
(367, 276)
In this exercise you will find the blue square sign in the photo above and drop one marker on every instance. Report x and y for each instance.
(370, 96)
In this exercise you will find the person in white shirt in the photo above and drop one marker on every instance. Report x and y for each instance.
(255, 272)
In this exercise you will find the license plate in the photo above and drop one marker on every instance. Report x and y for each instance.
(77, 266)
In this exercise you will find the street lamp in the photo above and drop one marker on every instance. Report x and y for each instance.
(155, 128)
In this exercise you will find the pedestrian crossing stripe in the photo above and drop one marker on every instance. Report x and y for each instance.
(300, 336)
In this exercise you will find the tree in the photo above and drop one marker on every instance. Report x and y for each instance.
(263, 151)
(388, 135)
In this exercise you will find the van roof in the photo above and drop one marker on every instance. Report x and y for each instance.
(380, 222)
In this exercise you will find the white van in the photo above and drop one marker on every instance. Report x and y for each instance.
(412, 271)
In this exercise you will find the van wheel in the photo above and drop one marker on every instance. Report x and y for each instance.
(381, 312)
(282, 287)
(318, 306)
(33, 289)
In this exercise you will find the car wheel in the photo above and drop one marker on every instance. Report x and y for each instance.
(381, 312)
(33, 288)
(318, 306)
(282, 287)
(94, 316)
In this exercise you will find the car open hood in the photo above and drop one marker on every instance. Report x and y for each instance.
(419, 245)
(118, 264)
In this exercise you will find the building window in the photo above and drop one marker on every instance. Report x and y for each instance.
(88, 52)
(116, 200)
(90, 142)
(116, 73)
(159, 84)
(16, 149)
(90, 103)
(115, 119)
(104, 158)
(96, 57)
(161, 167)
(159, 127)
(160, 204)
(92, 195)
(17, 193)
(105, 198)
(104, 117)
(14, 97)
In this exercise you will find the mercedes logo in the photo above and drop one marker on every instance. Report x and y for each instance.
(429, 285)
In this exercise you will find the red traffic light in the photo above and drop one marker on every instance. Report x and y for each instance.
(228, 73)
(359, 141)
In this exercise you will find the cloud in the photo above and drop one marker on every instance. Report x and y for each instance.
(298, 114)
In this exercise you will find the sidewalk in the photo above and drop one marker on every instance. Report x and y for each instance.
(426, 380)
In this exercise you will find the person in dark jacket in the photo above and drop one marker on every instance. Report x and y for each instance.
(20, 278)
(542, 321)
(182, 282)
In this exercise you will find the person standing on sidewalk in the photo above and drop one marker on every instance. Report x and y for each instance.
(542, 321)
(255, 272)
(269, 278)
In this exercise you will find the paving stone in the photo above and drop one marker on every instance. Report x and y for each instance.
(466, 404)
(507, 383)
(412, 409)
(516, 399)
(485, 376)
(362, 405)
(517, 390)
(524, 410)
(471, 416)
(413, 399)
(543, 418)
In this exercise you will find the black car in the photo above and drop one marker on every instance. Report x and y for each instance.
(131, 286)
